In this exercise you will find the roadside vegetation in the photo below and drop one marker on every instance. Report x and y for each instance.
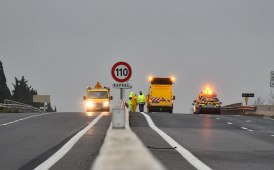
(22, 92)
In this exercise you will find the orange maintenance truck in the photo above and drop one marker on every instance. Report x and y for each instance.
(98, 98)
(160, 96)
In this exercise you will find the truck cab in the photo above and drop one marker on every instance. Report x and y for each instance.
(160, 96)
(97, 98)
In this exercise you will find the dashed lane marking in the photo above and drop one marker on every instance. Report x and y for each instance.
(272, 135)
(217, 118)
(18, 120)
(67, 147)
(250, 130)
(184, 152)
(229, 123)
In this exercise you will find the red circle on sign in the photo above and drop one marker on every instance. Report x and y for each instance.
(118, 79)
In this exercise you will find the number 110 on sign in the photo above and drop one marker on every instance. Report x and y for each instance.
(121, 72)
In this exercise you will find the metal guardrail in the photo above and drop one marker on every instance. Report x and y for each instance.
(237, 108)
(21, 107)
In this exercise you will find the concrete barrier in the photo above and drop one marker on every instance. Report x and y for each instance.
(263, 110)
(123, 150)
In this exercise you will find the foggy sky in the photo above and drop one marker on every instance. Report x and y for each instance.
(63, 46)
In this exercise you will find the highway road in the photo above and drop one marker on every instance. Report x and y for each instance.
(219, 141)
(29, 139)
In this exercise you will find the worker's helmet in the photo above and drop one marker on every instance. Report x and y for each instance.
(141, 93)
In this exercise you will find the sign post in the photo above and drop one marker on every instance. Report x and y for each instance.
(121, 73)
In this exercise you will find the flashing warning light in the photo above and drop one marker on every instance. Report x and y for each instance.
(173, 79)
(150, 78)
(208, 91)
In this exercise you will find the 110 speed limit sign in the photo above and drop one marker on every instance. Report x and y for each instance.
(121, 72)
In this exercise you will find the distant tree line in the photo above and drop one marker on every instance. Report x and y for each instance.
(22, 92)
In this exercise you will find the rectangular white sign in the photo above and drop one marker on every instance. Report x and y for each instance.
(122, 85)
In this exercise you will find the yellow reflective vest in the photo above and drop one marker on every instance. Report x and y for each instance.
(141, 99)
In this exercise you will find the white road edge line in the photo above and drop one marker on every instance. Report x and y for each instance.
(184, 152)
(18, 120)
(67, 147)
(244, 128)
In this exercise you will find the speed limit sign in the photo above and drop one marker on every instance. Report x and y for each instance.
(121, 72)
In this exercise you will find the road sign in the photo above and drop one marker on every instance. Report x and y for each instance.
(247, 94)
(272, 83)
(272, 76)
(122, 85)
(41, 98)
(121, 72)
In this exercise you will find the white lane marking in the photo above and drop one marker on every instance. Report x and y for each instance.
(208, 116)
(250, 130)
(18, 120)
(229, 123)
(67, 147)
(184, 152)
(248, 121)
(217, 118)
(272, 135)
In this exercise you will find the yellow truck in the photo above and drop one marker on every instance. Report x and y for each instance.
(160, 97)
(98, 98)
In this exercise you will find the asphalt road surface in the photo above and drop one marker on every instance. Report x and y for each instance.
(219, 141)
(28, 139)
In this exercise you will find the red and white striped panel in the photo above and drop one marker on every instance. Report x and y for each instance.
(156, 99)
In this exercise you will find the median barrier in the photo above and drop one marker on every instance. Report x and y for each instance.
(123, 150)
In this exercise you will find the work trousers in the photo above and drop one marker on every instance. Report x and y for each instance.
(141, 107)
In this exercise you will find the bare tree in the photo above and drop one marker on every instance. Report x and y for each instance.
(259, 101)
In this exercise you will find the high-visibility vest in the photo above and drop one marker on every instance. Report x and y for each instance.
(130, 98)
(141, 99)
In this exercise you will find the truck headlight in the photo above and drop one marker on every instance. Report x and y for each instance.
(106, 104)
(90, 104)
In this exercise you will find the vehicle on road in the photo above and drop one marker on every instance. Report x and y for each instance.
(160, 96)
(98, 98)
(207, 103)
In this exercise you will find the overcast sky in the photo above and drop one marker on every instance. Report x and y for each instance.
(62, 46)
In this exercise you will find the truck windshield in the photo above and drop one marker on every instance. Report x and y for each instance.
(98, 95)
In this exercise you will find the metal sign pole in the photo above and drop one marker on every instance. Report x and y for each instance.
(121, 94)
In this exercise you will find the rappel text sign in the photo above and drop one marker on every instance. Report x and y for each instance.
(122, 85)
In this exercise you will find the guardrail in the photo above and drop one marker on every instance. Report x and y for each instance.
(237, 108)
(21, 107)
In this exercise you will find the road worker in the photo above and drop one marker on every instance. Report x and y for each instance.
(141, 101)
(134, 102)
(130, 101)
